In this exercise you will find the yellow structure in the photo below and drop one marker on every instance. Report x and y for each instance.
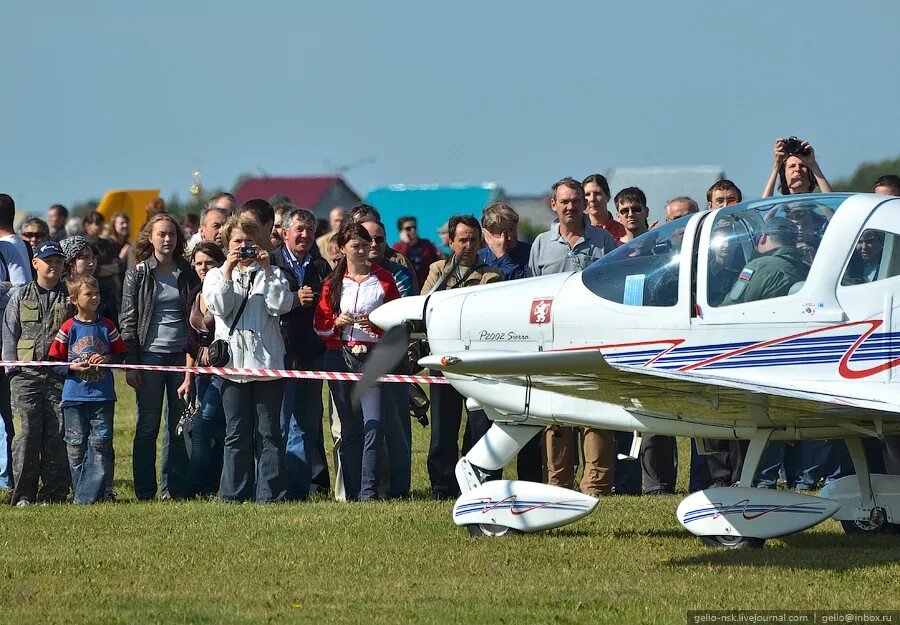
(133, 203)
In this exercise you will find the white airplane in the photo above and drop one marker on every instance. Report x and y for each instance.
(655, 338)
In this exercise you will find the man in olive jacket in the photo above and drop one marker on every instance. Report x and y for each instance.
(778, 267)
(462, 269)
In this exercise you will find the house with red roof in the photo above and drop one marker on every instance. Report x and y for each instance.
(317, 193)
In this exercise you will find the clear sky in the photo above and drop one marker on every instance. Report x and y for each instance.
(102, 95)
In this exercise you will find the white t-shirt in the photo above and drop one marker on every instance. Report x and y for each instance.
(15, 264)
(15, 267)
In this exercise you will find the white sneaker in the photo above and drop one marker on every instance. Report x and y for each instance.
(22, 503)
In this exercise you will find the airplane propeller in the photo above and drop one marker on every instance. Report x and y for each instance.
(398, 319)
(390, 352)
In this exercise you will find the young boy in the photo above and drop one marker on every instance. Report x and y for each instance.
(32, 318)
(89, 395)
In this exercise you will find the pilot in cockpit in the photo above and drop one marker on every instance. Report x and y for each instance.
(779, 265)
(726, 259)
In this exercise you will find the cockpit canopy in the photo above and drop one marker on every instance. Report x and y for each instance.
(645, 271)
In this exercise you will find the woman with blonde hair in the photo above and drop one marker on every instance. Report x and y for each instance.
(247, 296)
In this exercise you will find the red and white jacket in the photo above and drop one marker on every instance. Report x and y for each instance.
(356, 297)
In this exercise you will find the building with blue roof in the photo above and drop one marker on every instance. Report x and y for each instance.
(432, 205)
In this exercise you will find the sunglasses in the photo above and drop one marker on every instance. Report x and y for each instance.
(627, 210)
(378, 240)
(35, 235)
(410, 227)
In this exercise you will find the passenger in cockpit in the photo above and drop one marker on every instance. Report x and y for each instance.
(870, 247)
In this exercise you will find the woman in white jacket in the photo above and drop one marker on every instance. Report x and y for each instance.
(252, 405)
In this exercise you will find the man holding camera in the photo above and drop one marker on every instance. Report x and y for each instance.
(796, 169)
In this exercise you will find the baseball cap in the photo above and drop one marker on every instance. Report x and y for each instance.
(48, 249)
(784, 229)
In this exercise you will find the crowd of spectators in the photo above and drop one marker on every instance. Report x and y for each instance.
(255, 287)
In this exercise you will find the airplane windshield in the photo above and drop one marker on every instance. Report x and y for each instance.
(764, 249)
(642, 272)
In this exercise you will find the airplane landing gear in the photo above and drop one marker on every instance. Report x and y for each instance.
(877, 524)
(503, 507)
(744, 517)
(732, 542)
(486, 529)
(870, 502)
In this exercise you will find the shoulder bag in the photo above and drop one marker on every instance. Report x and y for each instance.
(219, 353)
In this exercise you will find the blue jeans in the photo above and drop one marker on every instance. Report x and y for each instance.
(361, 433)
(6, 433)
(301, 429)
(398, 437)
(88, 436)
(841, 465)
(699, 474)
(627, 474)
(154, 386)
(207, 437)
(253, 433)
(809, 464)
(4, 459)
(803, 463)
(770, 464)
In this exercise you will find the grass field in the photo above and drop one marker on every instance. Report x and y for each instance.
(397, 562)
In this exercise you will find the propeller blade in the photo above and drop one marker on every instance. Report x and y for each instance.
(389, 352)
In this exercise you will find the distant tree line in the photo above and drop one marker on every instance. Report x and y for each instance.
(863, 177)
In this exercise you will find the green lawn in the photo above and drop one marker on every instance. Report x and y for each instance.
(393, 562)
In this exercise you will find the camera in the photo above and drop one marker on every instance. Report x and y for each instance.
(247, 252)
(793, 145)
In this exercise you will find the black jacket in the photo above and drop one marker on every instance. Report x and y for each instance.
(301, 342)
(139, 298)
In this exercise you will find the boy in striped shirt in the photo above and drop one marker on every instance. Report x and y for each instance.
(88, 399)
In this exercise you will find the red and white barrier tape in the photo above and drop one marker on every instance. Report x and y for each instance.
(249, 373)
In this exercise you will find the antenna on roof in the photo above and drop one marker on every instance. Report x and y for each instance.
(340, 169)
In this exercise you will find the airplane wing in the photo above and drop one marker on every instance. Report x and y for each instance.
(692, 396)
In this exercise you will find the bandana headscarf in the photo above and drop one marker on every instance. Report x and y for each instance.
(74, 246)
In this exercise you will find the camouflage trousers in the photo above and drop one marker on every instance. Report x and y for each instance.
(39, 461)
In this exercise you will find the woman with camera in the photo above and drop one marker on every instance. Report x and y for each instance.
(353, 290)
(796, 169)
(246, 296)
(154, 326)
(205, 467)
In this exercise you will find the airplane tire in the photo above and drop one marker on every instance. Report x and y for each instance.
(732, 542)
(852, 528)
(486, 529)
